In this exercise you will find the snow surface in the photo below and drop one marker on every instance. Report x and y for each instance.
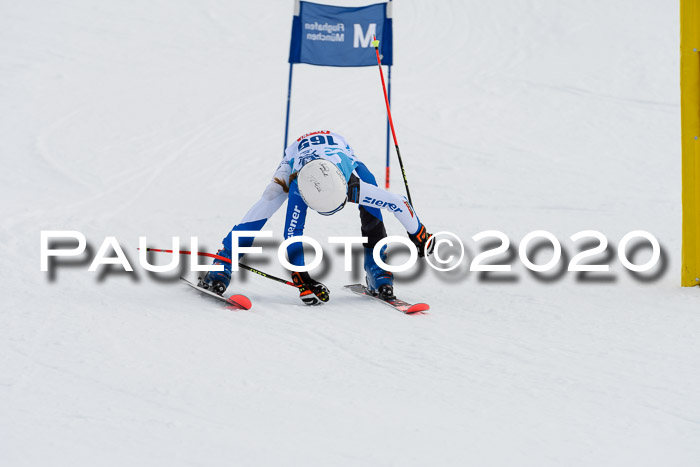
(162, 119)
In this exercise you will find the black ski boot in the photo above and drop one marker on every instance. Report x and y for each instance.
(217, 287)
(218, 281)
(386, 292)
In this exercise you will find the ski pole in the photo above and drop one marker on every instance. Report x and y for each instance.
(375, 44)
(225, 259)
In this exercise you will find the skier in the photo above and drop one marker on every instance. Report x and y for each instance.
(321, 171)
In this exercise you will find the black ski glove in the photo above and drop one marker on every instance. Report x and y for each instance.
(423, 242)
(311, 292)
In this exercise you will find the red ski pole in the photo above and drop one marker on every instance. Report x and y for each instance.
(225, 259)
(375, 44)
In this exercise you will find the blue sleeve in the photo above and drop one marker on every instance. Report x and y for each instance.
(364, 174)
(294, 224)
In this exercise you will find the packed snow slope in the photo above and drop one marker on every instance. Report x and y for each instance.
(164, 119)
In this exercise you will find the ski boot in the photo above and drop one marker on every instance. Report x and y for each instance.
(380, 283)
(218, 281)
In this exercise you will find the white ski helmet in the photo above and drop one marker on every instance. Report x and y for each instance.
(323, 186)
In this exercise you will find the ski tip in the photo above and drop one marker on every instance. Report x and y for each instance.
(241, 301)
(418, 308)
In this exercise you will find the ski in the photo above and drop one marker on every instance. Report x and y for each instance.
(237, 302)
(404, 307)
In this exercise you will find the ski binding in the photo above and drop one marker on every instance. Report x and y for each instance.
(404, 307)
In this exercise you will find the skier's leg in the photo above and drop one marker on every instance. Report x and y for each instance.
(378, 280)
(371, 197)
(271, 200)
(370, 217)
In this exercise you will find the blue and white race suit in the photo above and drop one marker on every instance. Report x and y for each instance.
(362, 190)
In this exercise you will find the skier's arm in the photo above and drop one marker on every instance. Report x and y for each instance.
(365, 192)
(311, 292)
(371, 196)
(294, 224)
